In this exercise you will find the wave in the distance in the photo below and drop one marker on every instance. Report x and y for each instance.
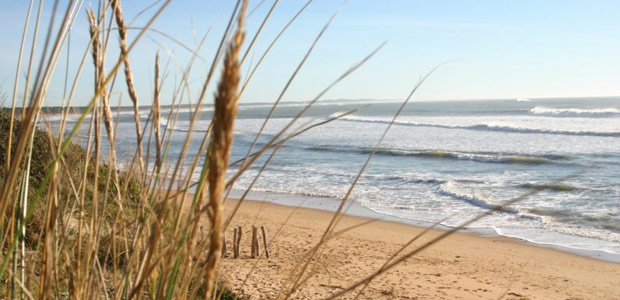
(575, 112)
(485, 157)
(486, 127)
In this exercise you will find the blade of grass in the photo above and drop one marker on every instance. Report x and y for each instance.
(16, 83)
(222, 138)
(131, 90)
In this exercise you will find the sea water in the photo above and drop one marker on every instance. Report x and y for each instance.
(443, 159)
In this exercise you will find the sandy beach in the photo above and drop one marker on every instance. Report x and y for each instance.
(464, 266)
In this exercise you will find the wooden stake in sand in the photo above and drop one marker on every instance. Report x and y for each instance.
(254, 242)
(262, 229)
(235, 234)
(235, 242)
(224, 254)
(238, 242)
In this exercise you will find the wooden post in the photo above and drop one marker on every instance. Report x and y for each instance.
(254, 242)
(252, 248)
(235, 234)
(224, 252)
(239, 233)
(262, 229)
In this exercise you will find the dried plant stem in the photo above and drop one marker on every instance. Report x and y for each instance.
(100, 84)
(131, 90)
(12, 166)
(15, 84)
(157, 113)
(221, 142)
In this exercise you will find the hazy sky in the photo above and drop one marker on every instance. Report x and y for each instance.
(500, 49)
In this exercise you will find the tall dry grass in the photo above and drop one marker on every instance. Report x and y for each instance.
(220, 145)
(131, 89)
(77, 225)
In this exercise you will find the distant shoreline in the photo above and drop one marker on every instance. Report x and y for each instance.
(77, 109)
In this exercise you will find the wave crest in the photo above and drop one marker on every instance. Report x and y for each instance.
(484, 157)
(576, 112)
(556, 187)
(488, 127)
(451, 190)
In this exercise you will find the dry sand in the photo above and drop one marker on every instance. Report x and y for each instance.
(464, 266)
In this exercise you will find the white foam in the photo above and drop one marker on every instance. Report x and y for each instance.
(499, 127)
(575, 112)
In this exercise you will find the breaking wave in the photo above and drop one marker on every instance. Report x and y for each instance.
(451, 190)
(576, 112)
(484, 157)
(487, 127)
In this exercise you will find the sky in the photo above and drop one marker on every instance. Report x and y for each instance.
(494, 49)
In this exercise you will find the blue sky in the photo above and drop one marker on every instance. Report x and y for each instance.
(498, 49)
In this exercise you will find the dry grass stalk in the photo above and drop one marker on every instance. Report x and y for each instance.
(100, 85)
(30, 109)
(131, 90)
(97, 54)
(157, 113)
(15, 84)
(54, 260)
(221, 142)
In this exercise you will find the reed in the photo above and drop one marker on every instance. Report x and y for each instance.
(99, 62)
(156, 112)
(221, 142)
(131, 90)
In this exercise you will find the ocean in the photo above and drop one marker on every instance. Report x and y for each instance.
(442, 159)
